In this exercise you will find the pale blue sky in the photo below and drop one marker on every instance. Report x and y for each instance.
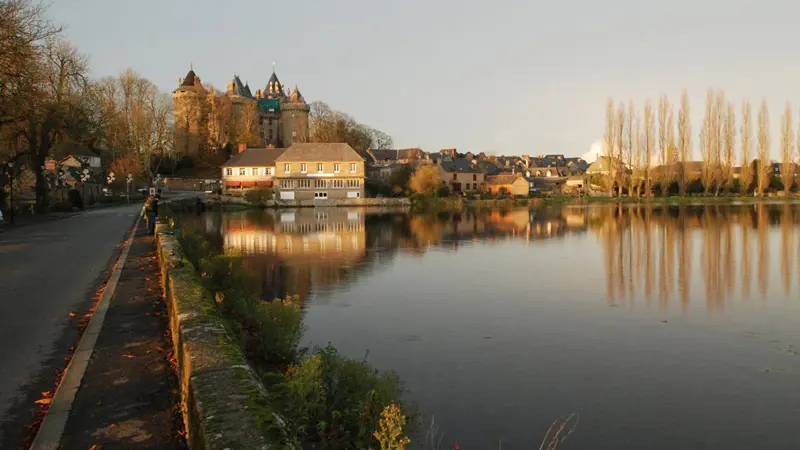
(508, 76)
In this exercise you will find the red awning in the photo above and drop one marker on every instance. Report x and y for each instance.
(265, 183)
(232, 184)
(248, 183)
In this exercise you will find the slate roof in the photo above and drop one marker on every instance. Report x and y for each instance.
(238, 88)
(255, 157)
(461, 165)
(189, 79)
(506, 178)
(390, 154)
(320, 152)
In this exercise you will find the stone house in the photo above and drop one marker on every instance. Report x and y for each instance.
(250, 168)
(512, 184)
(462, 175)
(319, 171)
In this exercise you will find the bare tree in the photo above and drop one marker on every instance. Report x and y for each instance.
(764, 166)
(627, 148)
(708, 143)
(672, 154)
(729, 146)
(648, 147)
(619, 134)
(718, 123)
(787, 150)
(609, 142)
(635, 157)
(746, 176)
(684, 141)
(663, 111)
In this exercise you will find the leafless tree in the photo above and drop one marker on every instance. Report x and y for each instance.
(764, 165)
(619, 134)
(787, 150)
(663, 111)
(628, 148)
(648, 147)
(609, 142)
(729, 145)
(746, 177)
(684, 141)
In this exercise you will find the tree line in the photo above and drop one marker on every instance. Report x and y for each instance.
(650, 152)
(47, 99)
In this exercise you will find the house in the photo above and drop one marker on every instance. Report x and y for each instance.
(319, 171)
(69, 151)
(250, 167)
(396, 156)
(462, 175)
(513, 184)
(603, 166)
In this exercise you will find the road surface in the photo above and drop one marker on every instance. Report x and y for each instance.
(47, 271)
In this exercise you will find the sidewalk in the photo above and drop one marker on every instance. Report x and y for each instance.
(128, 396)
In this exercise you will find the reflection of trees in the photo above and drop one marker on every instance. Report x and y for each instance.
(640, 244)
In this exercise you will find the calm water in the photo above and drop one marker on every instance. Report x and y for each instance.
(663, 328)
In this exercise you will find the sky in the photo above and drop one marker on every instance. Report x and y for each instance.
(506, 77)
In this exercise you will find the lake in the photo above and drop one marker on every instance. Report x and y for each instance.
(661, 327)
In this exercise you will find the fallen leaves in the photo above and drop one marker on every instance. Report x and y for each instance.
(127, 355)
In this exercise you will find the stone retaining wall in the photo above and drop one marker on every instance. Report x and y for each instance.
(225, 405)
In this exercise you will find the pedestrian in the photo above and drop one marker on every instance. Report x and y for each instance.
(149, 212)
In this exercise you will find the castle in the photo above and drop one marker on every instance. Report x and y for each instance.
(205, 119)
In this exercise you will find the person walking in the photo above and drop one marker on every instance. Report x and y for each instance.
(149, 212)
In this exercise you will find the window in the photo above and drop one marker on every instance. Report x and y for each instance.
(320, 195)
(286, 168)
(305, 183)
(320, 183)
(242, 171)
(294, 133)
(455, 176)
(319, 167)
(287, 184)
(352, 167)
(229, 171)
(303, 168)
(255, 171)
(268, 171)
(474, 177)
(336, 167)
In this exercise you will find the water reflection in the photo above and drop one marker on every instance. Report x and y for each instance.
(640, 244)
(649, 252)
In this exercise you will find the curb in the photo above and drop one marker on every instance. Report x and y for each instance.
(49, 435)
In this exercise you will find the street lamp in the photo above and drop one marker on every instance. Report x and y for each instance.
(84, 178)
(128, 181)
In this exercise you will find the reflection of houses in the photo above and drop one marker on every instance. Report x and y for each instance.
(295, 249)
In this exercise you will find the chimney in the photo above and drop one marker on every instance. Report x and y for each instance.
(242, 147)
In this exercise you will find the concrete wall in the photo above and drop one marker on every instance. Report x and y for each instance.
(224, 403)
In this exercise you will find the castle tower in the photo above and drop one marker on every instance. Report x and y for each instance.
(191, 124)
(294, 118)
(269, 108)
(244, 109)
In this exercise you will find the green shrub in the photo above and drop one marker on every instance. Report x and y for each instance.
(258, 196)
(336, 401)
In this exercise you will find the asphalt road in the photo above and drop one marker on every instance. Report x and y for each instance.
(47, 271)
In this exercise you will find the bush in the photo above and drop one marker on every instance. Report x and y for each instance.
(337, 402)
(258, 196)
(75, 199)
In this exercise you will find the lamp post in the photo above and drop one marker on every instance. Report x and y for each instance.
(10, 165)
(84, 179)
(128, 181)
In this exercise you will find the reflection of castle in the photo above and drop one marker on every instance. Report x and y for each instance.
(651, 251)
